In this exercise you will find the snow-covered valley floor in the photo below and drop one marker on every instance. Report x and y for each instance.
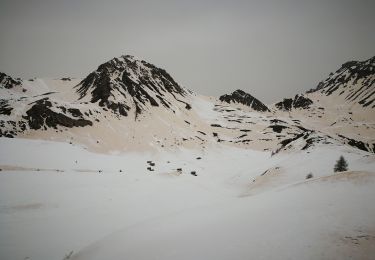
(60, 201)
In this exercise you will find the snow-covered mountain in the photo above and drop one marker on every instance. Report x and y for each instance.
(340, 106)
(125, 95)
(125, 83)
(350, 86)
(354, 83)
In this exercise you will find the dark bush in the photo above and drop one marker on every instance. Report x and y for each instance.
(341, 165)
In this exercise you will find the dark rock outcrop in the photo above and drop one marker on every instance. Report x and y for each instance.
(244, 98)
(277, 128)
(8, 82)
(299, 101)
(40, 115)
(368, 147)
(5, 109)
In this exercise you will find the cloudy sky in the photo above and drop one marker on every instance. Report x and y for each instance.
(271, 49)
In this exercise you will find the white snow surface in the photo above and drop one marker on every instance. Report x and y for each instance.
(61, 201)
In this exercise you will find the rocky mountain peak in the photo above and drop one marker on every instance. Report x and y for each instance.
(241, 97)
(125, 82)
(355, 81)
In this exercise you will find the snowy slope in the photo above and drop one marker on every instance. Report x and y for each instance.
(305, 221)
(241, 203)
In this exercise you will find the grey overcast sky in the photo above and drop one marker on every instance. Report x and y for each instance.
(271, 49)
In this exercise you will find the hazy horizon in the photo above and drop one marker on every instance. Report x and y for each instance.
(271, 49)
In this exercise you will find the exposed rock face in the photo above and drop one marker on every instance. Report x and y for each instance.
(124, 83)
(368, 147)
(40, 115)
(355, 80)
(10, 128)
(5, 109)
(244, 98)
(8, 82)
(277, 128)
(299, 101)
(286, 104)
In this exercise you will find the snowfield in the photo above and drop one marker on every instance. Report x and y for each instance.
(61, 201)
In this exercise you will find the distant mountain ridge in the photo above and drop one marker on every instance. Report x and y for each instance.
(127, 102)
